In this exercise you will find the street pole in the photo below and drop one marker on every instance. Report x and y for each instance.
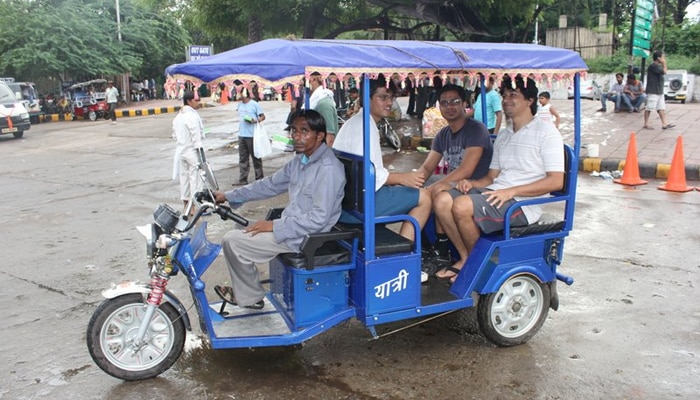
(125, 78)
(119, 23)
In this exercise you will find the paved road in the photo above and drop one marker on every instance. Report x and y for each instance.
(73, 191)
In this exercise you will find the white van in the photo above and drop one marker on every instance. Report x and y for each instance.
(14, 118)
(25, 92)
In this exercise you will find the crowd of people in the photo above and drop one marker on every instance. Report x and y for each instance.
(484, 177)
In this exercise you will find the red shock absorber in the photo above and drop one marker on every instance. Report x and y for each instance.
(158, 284)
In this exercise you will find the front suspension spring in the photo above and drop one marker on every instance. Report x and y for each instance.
(158, 284)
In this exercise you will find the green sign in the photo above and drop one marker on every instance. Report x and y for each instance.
(640, 52)
(646, 4)
(642, 34)
(641, 43)
(640, 24)
(645, 14)
(641, 30)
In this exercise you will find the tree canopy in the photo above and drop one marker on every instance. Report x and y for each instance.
(77, 39)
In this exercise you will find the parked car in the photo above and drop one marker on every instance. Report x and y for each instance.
(676, 85)
(589, 89)
(89, 100)
(14, 118)
(26, 94)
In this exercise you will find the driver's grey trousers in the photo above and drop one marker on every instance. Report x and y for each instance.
(242, 251)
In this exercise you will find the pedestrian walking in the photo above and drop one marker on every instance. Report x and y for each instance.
(249, 113)
(655, 90)
(112, 98)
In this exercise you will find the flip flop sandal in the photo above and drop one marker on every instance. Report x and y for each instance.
(226, 294)
(651, 128)
(452, 269)
(669, 126)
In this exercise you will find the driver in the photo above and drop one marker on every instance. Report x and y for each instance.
(314, 180)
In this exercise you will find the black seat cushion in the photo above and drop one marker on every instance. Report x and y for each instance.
(330, 253)
(386, 241)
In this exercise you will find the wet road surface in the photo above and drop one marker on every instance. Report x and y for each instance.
(72, 193)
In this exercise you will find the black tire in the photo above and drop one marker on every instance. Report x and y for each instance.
(18, 134)
(390, 135)
(116, 321)
(515, 313)
(675, 84)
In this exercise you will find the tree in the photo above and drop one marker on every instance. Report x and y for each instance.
(77, 39)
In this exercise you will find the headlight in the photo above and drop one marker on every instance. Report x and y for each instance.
(24, 115)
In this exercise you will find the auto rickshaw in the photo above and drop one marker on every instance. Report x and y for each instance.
(366, 271)
(88, 100)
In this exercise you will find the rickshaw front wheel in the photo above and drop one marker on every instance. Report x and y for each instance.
(513, 315)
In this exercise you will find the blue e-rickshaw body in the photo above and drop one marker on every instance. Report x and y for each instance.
(371, 273)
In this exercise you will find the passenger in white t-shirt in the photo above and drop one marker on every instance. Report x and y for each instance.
(528, 161)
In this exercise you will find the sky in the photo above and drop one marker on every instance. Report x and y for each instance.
(693, 11)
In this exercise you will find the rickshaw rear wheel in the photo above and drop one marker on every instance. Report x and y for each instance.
(513, 315)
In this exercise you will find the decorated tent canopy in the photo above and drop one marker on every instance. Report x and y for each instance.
(276, 62)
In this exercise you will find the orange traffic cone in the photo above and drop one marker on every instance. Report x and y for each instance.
(630, 175)
(676, 176)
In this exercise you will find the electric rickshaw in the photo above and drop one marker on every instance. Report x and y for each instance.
(365, 271)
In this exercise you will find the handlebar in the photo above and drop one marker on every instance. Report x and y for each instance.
(207, 203)
(226, 213)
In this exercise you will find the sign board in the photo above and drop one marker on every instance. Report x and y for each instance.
(195, 52)
(641, 53)
(641, 28)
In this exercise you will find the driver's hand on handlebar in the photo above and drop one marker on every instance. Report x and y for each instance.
(219, 197)
(259, 227)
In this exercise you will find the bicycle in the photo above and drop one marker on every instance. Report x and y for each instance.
(387, 132)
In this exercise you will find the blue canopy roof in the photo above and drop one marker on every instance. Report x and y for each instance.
(278, 61)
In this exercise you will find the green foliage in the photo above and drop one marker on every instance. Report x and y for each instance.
(619, 63)
(77, 39)
(607, 64)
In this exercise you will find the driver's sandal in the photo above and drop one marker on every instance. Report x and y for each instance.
(226, 294)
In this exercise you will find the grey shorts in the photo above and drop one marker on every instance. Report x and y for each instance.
(490, 219)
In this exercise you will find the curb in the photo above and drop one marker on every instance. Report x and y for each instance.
(119, 113)
(646, 170)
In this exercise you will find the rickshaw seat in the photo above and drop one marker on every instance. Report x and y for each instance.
(318, 249)
(386, 240)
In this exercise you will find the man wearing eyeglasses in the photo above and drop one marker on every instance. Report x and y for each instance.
(465, 146)
(395, 193)
(528, 161)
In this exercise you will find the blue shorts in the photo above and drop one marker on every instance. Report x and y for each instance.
(389, 200)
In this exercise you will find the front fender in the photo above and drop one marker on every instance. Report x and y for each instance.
(129, 287)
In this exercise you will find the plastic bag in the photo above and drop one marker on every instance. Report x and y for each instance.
(261, 143)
